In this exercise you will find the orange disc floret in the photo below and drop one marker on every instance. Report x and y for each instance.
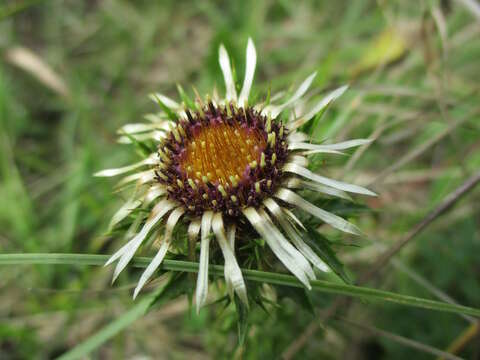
(222, 152)
(222, 158)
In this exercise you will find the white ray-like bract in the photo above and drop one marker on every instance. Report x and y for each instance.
(157, 260)
(126, 253)
(233, 273)
(194, 229)
(132, 230)
(192, 232)
(153, 193)
(224, 61)
(303, 146)
(297, 136)
(140, 128)
(159, 119)
(201, 291)
(124, 211)
(172, 104)
(294, 218)
(294, 235)
(140, 177)
(296, 183)
(275, 110)
(322, 104)
(297, 257)
(251, 62)
(298, 159)
(231, 236)
(286, 253)
(299, 170)
(151, 160)
(338, 146)
(327, 148)
(331, 219)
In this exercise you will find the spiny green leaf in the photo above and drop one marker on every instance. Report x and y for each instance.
(177, 285)
(322, 248)
(312, 127)
(300, 296)
(185, 98)
(171, 115)
(242, 323)
(141, 146)
(269, 92)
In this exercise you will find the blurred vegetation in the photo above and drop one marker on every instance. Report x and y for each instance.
(72, 72)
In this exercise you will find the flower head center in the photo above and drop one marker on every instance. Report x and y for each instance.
(222, 158)
(222, 152)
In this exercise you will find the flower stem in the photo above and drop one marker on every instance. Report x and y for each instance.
(252, 275)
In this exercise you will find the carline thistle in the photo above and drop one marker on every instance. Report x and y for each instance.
(222, 165)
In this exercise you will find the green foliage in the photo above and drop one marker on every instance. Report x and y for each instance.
(185, 98)
(171, 115)
(323, 249)
(242, 321)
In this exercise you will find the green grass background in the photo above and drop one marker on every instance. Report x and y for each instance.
(414, 71)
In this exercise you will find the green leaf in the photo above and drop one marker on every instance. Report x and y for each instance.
(252, 275)
(299, 296)
(171, 115)
(177, 285)
(185, 98)
(269, 91)
(322, 248)
(142, 147)
(315, 129)
(242, 323)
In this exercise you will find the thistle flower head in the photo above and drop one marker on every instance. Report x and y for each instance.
(222, 158)
(220, 165)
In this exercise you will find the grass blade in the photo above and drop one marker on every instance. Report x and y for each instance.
(112, 329)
